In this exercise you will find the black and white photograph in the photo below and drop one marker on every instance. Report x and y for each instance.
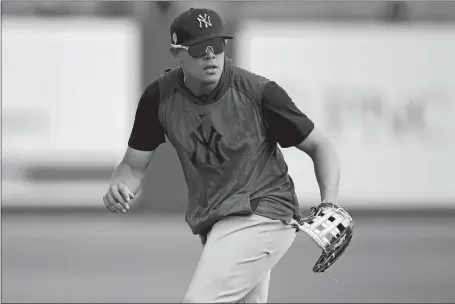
(227, 151)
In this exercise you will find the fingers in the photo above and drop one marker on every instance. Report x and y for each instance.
(125, 193)
(114, 202)
(116, 193)
(108, 205)
(117, 198)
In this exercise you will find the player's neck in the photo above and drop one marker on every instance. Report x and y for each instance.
(199, 88)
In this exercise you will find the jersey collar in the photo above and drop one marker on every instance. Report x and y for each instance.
(216, 94)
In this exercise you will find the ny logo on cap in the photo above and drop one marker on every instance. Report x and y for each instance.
(205, 20)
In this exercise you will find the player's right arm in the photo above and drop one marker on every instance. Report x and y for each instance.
(146, 135)
(127, 179)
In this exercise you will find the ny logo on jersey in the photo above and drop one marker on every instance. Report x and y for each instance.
(205, 20)
(211, 146)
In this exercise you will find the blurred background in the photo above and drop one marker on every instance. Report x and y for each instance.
(377, 77)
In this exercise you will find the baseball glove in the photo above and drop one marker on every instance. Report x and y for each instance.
(331, 228)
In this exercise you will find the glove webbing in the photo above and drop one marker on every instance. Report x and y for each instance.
(330, 227)
(314, 237)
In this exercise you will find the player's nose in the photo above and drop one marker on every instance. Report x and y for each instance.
(209, 53)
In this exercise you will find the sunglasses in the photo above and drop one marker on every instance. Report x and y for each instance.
(198, 50)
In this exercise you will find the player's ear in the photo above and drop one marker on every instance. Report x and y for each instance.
(175, 52)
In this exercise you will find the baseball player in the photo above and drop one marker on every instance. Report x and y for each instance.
(225, 124)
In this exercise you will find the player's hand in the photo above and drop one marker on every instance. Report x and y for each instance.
(117, 198)
(333, 238)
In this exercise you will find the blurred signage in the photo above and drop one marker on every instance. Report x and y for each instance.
(69, 93)
(70, 86)
(383, 93)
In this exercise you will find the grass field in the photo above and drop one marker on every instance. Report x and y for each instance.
(102, 257)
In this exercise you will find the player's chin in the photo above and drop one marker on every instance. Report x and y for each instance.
(210, 77)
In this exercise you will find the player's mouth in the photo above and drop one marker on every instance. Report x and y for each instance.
(211, 68)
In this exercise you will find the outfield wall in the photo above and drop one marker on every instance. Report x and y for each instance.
(383, 93)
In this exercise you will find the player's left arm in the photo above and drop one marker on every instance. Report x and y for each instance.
(326, 164)
(289, 127)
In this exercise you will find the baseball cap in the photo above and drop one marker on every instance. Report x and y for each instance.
(196, 25)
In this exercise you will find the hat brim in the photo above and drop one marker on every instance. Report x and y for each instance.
(206, 37)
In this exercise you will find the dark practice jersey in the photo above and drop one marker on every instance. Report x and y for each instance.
(226, 143)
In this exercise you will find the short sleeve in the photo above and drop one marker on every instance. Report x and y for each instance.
(147, 133)
(284, 122)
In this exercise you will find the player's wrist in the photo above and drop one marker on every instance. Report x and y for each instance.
(328, 201)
